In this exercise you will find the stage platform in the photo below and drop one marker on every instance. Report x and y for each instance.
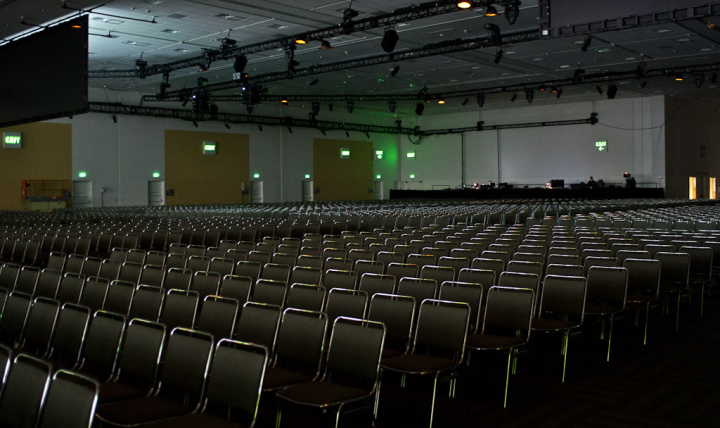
(537, 193)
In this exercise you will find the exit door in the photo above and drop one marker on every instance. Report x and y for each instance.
(308, 194)
(156, 193)
(82, 194)
(378, 189)
(256, 192)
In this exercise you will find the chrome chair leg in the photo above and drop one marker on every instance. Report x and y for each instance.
(432, 405)
(377, 395)
(567, 341)
(677, 320)
(612, 318)
(647, 319)
(507, 377)
(702, 298)
(602, 329)
(279, 415)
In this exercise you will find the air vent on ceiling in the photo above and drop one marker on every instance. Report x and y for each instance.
(230, 17)
(177, 16)
(684, 40)
(278, 26)
(170, 31)
(181, 50)
(108, 21)
(140, 44)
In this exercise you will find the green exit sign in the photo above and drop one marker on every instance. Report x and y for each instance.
(601, 145)
(12, 140)
(209, 147)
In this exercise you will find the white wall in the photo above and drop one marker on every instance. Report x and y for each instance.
(632, 128)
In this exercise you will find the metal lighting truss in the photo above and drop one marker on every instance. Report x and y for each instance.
(348, 26)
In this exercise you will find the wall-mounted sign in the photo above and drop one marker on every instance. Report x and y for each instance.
(601, 146)
(12, 140)
(209, 148)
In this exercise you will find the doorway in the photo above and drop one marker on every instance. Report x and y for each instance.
(156, 193)
(256, 192)
(82, 194)
(308, 191)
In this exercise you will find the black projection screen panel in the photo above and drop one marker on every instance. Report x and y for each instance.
(573, 12)
(44, 76)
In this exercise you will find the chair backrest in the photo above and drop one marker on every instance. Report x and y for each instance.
(248, 268)
(94, 293)
(75, 264)
(521, 280)
(591, 261)
(119, 297)
(346, 302)
(48, 283)
(419, 288)
(306, 296)
(442, 325)
(56, 261)
(259, 323)
(25, 392)
(607, 285)
(306, 275)
(401, 270)
(178, 279)
(152, 275)
(675, 267)
(72, 398)
(465, 292)
(701, 261)
(110, 269)
(14, 317)
(103, 343)
(397, 313)
(136, 256)
(130, 271)
(335, 278)
(180, 308)
(198, 263)
(301, 339)
(364, 341)
(205, 283)
(40, 326)
(525, 267)
(155, 258)
(27, 280)
(438, 273)
(147, 302)
(270, 292)
(70, 331)
(142, 348)
(236, 287)
(71, 288)
(236, 378)
(563, 296)
(187, 361)
(218, 316)
(91, 266)
(643, 276)
(377, 283)
(310, 260)
(509, 310)
(174, 260)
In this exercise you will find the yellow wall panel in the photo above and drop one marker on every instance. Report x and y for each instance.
(343, 179)
(46, 154)
(197, 178)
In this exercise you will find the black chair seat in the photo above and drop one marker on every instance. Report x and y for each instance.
(493, 341)
(641, 298)
(551, 324)
(140, 410)
(111, 392)
(599, 309)
(321, 394)
(194, 421)
(277, 377)
(390, 353)
(417, 363)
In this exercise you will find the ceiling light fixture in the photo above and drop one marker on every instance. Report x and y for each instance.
(514, 97)
(324, 45)
(679, 77)
(612, 91)
(240, 63)
(350, 106)
(464, 4)
(441, 101)
(699, 80)
(419, 108)
(512, 11)
(301, 40)
(389, 40)
(284, 102)
(599, 89)
(392, 105)
(395, 70)
(491, 11)
(586, 43)
(529, 95)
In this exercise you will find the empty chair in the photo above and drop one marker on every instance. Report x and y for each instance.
(566, 270)
(147, 302)
(70, 330)
(25, 388)
(591, 261)
(653, 249)
(155, 258)
(438, 273)
(674, 276)
(338, 263)
(505, 256)
(178, 261)
(368, 266)
(118, 255)
(388, 257)
(75, 263)
(181, 386)
(218, 316)
(456, 263)
(606, 295)
(299, 349)
(198, 263)
(206, 284)
(102, 344)
(495, 265)
(72, 398)
(248, 268)
(71, 288)
(309, 261)
(40, 326)
(236, 287)
(306, 275)
(27, 280)
(361, 339)
(643, 286)
(622, 255)
(309, 297)
(418, 288)
(236, 255)
(562, 308)
(284, 259)
(270, 292)
(701, 261)
(259, 324)
(119, 297)
(180, 309)
(563, 259)
(178, 279)
(439, 344)
(276, 272)
(94, 293)
(214, 252)
(195, 250)
(397, 313)
(48, 283)
(346, 302)
(56, 261)
(152, 275)
(360, 254)
(110, 269)
(91, 266)
(465, 292)
(136, 256)
(261, 257)
(525, 267)
(521, 280)
(373, 283)
(400, 270)
(14, 316)
(506, 325)
(334, 278)
(222, 266)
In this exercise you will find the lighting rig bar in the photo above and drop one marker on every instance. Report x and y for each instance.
(410, 13)
(189, 115)
(604, 77)
(444, 48)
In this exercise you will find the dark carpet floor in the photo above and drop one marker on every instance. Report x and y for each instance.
(673, 381)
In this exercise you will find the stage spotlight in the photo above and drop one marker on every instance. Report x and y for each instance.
(114, 119)
(392, 106)
(699, 80)
(514, 97)
(324, 45)
(284, 102)
(643, 84)
(314, 82)
(227, 126)
(554, 89)
(195, 123)
(240, 63)
(301, 40)
(389, 40)
(559, 93)
(481, 100)
(512, 11)
(612, 91)
(347, 134)
(494, 36)
(464, 103)
(586, 43)
(578, 76)
(529, 95)
(491, 11)
(419, 108)
(599, 89)
(395, 70)
(441, 101)
(679, 77)
(315, 107)
(498, 56)
(289, 129)
(367, 134)
(464, 4)
(350, 106)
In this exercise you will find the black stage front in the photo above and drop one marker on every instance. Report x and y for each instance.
(499, 194)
